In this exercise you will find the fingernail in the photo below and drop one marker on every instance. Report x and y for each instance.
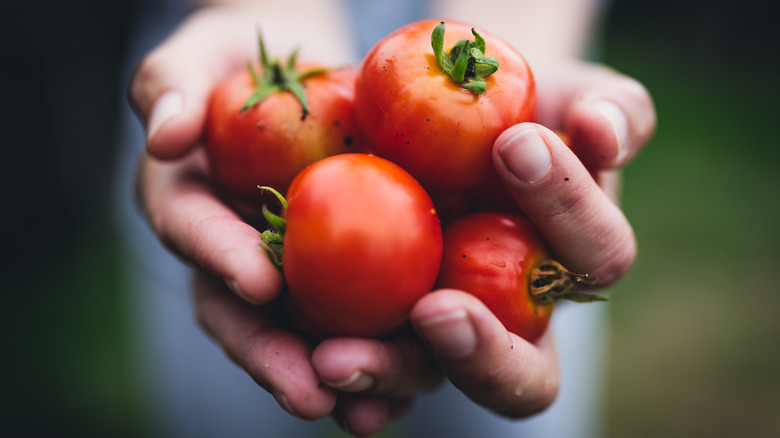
(167, 106)
(233, 285)
(282, 400)
(451, 334)
(617, 120)
(526, 155)
(357, 382)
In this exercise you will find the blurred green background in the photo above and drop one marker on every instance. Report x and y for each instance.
(694, 349)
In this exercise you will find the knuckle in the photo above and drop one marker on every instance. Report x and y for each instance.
(491, 380)
(142, 90)
(571, 203)
(637, 96)
(617, 260)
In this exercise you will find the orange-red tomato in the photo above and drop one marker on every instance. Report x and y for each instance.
(501, 259)
(269, 143)
(414, 114)
(362, 244)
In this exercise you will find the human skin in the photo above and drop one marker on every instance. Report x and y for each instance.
(452, 334)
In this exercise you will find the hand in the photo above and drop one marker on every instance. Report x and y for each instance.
(169, 93)
(611, 117)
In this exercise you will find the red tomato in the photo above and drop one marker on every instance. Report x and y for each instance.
(492, 195)
(362, 244)
(501, 259)
(271, 141)
(414, 114)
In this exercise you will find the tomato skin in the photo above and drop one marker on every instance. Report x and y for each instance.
(491, 255)
(269, 143)
(362, 244)
(416, 116)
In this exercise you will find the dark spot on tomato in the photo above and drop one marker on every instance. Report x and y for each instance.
(407, 142)
(336, 123)
(566, 179)
(348, 141)
(464, 256)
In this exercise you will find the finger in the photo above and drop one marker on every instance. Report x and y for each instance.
(170, 88)
(171, 85)
(190, 220)
(361, 415)
(256, 338)
(586, 230)
(493, 367)
(608, 116)
(397, 367)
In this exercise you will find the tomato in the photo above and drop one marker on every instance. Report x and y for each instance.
(362, 243)
(414, 113)
(269, 140)
(492, 195)
(501, 259)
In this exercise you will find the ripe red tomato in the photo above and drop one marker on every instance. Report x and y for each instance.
(501, 259)
(414, 114)
(269, 142)
(362, 244)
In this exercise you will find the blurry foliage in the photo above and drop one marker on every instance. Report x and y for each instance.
(695, 331)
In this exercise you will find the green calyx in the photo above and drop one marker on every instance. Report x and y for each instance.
(277, 78)
(272, 239)
(465, 63)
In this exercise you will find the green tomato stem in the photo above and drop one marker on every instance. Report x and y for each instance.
(465, 63)
(272, 240)
(276, 78)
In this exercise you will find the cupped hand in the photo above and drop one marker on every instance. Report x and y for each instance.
(236, 284)
(609, 118)
(363, 383)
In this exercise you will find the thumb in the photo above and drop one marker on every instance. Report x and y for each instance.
(170, 88)
(494, 368)
(585, 229)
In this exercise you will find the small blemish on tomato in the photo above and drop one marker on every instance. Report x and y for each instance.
(348, 141)
(566, 179)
